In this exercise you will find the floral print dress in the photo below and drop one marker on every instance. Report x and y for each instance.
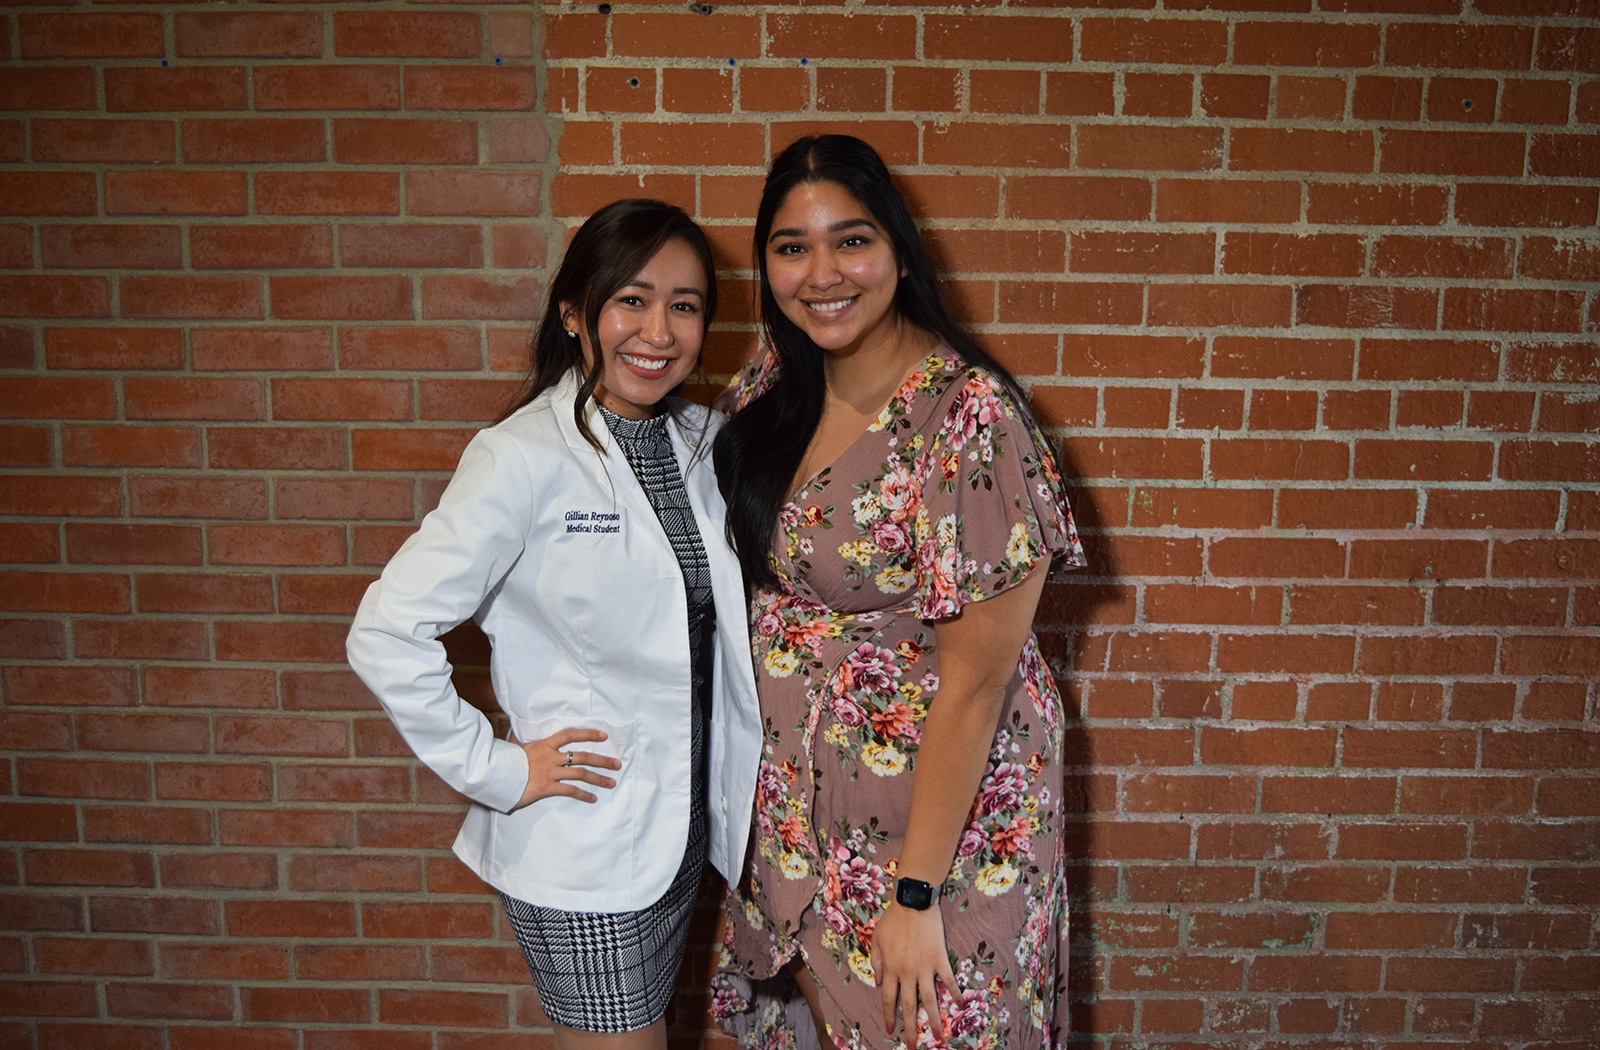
(949, 497)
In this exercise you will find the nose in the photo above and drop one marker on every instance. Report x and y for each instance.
(824, 272)
(657, 328)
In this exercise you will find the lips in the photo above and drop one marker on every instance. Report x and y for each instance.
(830, 306)
(647, 365)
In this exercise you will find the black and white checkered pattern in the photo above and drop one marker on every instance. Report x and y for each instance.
(604, 972)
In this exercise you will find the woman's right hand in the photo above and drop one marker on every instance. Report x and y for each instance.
(550, 770)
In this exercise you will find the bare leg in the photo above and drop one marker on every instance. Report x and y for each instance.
(813, 994)
(652, 1036)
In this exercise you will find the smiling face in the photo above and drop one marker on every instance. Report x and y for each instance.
(650, 331)
(832, 269)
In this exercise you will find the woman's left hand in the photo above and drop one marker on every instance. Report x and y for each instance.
(908, 954)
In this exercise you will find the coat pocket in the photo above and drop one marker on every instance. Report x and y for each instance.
(576, 845)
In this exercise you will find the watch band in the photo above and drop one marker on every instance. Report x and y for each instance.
(914, 894)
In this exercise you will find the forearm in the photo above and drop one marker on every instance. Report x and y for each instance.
(978, 655)
(956, 737)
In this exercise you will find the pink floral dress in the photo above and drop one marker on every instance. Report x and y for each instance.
(949, 497)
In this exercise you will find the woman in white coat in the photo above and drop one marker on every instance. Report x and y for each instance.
(584, 533)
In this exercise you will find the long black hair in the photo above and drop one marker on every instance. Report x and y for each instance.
(760, 449)
(606, 253)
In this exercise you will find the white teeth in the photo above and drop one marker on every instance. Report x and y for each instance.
(830, 305)
(646, 363)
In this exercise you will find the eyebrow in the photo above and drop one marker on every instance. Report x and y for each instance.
(647, 286)
(838, 227)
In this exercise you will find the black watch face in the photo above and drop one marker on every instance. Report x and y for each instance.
(914, 894)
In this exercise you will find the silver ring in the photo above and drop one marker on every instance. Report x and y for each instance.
(568, 762)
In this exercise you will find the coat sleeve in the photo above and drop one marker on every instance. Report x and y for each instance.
(437, 580)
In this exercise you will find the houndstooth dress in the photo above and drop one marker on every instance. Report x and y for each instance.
(614, 972)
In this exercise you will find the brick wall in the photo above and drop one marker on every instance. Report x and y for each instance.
(1307, 287)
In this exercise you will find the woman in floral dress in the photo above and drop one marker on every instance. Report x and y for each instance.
(897, 511)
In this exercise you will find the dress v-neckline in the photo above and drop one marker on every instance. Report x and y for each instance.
(899, 390)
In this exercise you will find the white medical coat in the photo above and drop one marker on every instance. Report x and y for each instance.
(555, 550)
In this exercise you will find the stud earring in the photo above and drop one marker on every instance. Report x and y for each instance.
(571, 334)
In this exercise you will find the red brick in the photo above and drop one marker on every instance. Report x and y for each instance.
(1066, 94)
(431, 921)
(32, 640)
(1387, 99)
(148, 89)
(125, 446)
(213, 781)
(1418, 559)
(1345, 973)
(277, 448)
(1327, 255)
(1275, 929)
(410, 34)
(1452, 153)
(1384, 205)
(65, 592)
(1310, 98)
(313, 873)
(187, 399)
(1284, 410)
(47, 88)
(699, 90)
(95, 247)
(1150, 148)
(40, 296)
(39, 732)
(1305, 44)
(252, 140)
(1245, 305)
(191, 297)
(1071, 197)
(248, 962)
(472, 193)
(280, 828)
(175, 193)
(1299, 149)
(180, 915)
(319, 1005)
(1280, 458)
(42, 912)
(1567, 655)
(1135, 252)
(1442, 256)
(856, 91)
(199, 497)
(397, 830)
(856, 36)
(1476, 795)
(1433, 45)
(1157, 94)
(103, 141)
(1210, 409)
(124, 640)
(1462, 100)
(341, 399)
(396, 141)
(297, 918)
(341, 298)
(363, 87)
(1495, 204)
(1512, 310)
(327, 193)
(1170, 41)
(99, 955)
(451, 297)
(368, 962)
(1409, 842)
(1396, 606)
(1311, 654)
(88, 867)
(276, 545)
(208, 686)
(1195, 200)
(1366, 306)
(458, 88)
(90, 35)
(147, 824)
(108, 544)
(249, 34)
(456, 1009)
(1559, 260)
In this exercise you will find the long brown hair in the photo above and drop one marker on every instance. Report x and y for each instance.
(606, 253)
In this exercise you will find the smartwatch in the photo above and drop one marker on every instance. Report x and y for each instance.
(914, 894)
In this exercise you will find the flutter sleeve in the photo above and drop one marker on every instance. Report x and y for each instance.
(749, 383)
(993, 505)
